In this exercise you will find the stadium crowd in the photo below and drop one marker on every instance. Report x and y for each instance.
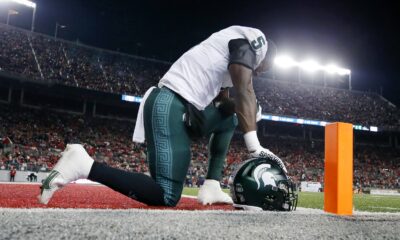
(42, 58)
(32, 140)
(328, 104)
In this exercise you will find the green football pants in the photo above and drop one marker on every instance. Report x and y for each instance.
(168, 141)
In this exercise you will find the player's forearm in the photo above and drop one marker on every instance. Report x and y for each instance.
(245, 99)
(245, 108)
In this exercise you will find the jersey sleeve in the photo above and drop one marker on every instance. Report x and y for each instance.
(240, 52)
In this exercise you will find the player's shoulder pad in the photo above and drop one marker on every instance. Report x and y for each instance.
(240, 52)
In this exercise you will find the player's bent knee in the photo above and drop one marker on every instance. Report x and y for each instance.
(171, 199)
(171, 202)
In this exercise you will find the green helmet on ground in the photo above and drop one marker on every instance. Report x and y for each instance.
(260, 183)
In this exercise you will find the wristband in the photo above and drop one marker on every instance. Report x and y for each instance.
(251, 140)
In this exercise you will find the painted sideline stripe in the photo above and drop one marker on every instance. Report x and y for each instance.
(80, 182)
(21, 183)
(393, 208)
(383, 196)
(189, 196)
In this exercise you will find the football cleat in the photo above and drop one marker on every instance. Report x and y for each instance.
(210, 192)
(75, 163)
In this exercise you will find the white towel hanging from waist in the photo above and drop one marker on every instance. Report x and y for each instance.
(138, 133)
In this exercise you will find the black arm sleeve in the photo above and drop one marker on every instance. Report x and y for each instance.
(241, 53)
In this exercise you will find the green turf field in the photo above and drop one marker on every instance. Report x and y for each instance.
(362, 202)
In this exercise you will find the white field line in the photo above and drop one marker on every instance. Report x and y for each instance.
(383, 196)
(38, 183)
(391, 208)
(189, 196)
(21, 183)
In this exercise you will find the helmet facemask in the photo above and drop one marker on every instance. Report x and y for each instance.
(281, 197)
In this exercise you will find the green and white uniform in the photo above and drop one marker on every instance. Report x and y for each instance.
(200, 73)
(196, 78)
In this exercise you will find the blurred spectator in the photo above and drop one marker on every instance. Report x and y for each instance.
(13, 172)
(32, 177)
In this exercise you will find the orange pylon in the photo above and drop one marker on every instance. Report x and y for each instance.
(338, 189)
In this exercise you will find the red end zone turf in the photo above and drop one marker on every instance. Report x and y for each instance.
(84, 196)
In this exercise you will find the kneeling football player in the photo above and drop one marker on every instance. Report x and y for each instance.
(179, 110)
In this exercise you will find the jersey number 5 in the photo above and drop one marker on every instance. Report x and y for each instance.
(258, 43)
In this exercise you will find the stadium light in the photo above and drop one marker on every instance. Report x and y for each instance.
(25, 3)
(343, 71)
(331, 69)
(29, 4)
(310, 65)
(285, 61)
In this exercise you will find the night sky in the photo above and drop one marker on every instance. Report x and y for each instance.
(362, 35)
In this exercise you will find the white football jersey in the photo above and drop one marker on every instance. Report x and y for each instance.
(200, 73)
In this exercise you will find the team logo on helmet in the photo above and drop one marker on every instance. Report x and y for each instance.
(261, 173)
